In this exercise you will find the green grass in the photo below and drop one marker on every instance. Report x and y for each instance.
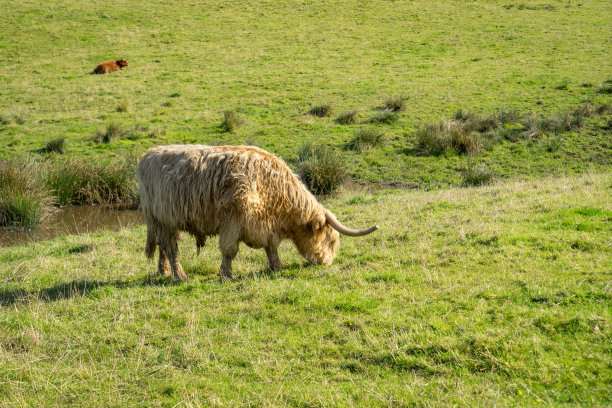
(489, 296)
(274, 61)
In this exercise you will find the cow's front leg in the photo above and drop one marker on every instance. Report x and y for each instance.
(273, 259)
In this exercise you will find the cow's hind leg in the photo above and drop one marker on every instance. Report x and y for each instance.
(228, 244)
(168, 242)
(273, 259)
(163, 266)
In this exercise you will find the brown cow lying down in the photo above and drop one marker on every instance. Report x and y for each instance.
(241, 193)
(107, 67)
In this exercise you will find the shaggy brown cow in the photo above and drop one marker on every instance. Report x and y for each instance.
(107, 67)
(240, 193)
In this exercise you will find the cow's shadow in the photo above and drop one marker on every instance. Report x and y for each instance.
(78, 288)
(81, 288)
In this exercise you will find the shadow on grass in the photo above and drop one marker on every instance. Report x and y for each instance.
(78, 288)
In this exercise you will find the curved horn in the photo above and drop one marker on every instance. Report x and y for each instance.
(331, 220)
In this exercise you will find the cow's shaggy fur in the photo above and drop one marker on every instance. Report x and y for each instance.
(240, 193)
(107, 67)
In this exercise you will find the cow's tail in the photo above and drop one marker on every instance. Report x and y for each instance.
(151, 242)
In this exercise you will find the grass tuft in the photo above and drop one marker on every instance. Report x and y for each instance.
(123, 106)
(55, 145)
(564, 122)
(396, 103)
(606, 87)
(477, 175)
(321, 168)
(321, 111)
(563, 86)
(232, 120)
(386, 116)
(112, 132)
(585, 110)
(534, 126)
(81, 182)
(24, 197)
(12, 118)
(366, 138)
(348, 118)
(450, 136)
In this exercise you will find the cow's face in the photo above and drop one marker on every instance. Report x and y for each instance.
(122, 63)
(318, 243)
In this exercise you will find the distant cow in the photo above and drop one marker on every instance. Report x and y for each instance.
(107, 67)
(240, 193)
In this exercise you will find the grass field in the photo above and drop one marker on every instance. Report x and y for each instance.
(272, 61)
(492, 296)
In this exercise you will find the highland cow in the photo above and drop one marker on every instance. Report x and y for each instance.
(243, 194)
(107, 67)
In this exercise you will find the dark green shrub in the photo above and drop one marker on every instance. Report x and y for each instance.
(321, 111)
(55, 145)
(24, 197)
(231, 121)
(396, 103)
(386, 117)
(365, 138)
(320, 168)
(348, 118)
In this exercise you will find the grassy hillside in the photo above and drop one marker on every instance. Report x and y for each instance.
(496, 296)
(272, 61)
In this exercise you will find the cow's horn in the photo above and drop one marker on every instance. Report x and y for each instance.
(331, 219)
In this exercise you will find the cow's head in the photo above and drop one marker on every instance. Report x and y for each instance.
(318, 240)
(122, 63)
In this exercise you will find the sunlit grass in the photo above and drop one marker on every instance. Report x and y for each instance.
(485, 296)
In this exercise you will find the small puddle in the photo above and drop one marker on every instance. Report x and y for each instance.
(72, 220)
